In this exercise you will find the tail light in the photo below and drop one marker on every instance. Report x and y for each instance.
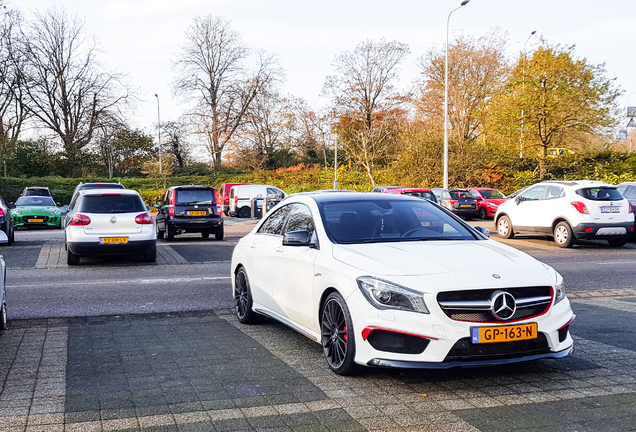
(582, 208)
(453, 201)
(80, 219)
(173, 198)
(143, 219)
(2, 212)
(219, 210)
(631, 209)
(235, 200)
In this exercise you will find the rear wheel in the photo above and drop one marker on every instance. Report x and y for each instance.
(71, 258)
(243, 299)
(3, 317)
(151, 256)
(504, 228)
(159, 233)
(618, 242)
(218, 234)
(169, 232)
(205, 234)
(337, 338)
(244, 212)
(563, 235)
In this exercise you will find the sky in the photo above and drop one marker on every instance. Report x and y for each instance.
(142, 38)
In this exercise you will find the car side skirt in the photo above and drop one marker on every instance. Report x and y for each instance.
(288, 323)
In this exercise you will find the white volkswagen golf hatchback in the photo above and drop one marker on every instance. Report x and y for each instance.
(109, 222)
(385, 280)
(566, 211)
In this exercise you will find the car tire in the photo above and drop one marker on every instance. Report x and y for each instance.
(563, 235)
(205, 234)
(3, 317)
(504, 228)
(218, 234)
(468, 218)
(10, 237)
(169, 232)
(617, 242)
(243, 299)
(244, 212)
(150, 256)
(159, 233)
(338, 341)
(483, 213)
(71, 258)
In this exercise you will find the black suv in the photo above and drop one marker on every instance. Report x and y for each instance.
(189, 209)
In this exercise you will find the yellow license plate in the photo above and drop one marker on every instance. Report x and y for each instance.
(111, 240)
(466, 205)
(36, 220)
(197, 213)
(504, 333)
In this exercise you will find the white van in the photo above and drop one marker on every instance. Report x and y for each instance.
(241, 198)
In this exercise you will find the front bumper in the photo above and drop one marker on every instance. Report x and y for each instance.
(47, 221)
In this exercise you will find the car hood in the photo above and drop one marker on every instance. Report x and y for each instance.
(435, 257)
(35, 209)
(496, 200)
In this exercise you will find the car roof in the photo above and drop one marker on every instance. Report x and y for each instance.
(107, 191)
(582, 183)
(407, 189)
(345, 196)
(191, 187)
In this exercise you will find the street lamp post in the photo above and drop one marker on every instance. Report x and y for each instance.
(159, 131)
(523, 92)
(464, 3)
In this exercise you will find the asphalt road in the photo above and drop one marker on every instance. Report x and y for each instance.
(198, 278)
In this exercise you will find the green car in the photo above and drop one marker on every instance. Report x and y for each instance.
(36, 211)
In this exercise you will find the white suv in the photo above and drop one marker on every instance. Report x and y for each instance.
(568, 210)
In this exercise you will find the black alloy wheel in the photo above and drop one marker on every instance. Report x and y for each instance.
(169, 232)
(244, 212)
(218, 234)
(243, 299)
(337, 338)
(483, 213)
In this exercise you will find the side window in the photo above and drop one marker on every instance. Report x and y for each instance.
(165, 197)
(274, 193)
(275, 221)
(534, 193)
(554, 192)
(300, 218)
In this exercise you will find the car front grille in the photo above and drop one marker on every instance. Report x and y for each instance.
(387, 341)
(476, 305)
(464, 349)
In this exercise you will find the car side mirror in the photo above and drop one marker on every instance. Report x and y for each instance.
(298, 238)
(3, 238)
(156, 206)
(58, 204)
(482, 230)
(518, 199)
(11, 205)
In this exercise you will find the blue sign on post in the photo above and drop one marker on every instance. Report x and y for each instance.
(622, 134)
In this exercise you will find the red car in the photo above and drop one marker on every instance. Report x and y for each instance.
(488, 200)
(417, 192)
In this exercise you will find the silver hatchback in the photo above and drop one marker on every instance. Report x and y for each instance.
(110, 222)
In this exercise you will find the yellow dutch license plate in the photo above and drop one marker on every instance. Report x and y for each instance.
(504, 333)
(36, 220)
(114, 240)
(466, 205)
(197, 213)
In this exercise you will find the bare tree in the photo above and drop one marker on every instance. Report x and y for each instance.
(66, 88)
(213, 71)
(177, 141)
(365, 96)
(12, 110)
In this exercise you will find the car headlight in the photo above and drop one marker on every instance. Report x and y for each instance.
(493, 205)
(559, 290)
(16, 212)
(386, 295)
(55, 212)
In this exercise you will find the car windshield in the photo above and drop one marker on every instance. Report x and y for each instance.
(492, 194)
(111, 203)
(34, 201)
(101, 186)
(195, 196)
(461, 194)
(600, 194)
(373, 221)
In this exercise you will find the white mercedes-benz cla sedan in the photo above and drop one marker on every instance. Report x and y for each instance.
(393, 281)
